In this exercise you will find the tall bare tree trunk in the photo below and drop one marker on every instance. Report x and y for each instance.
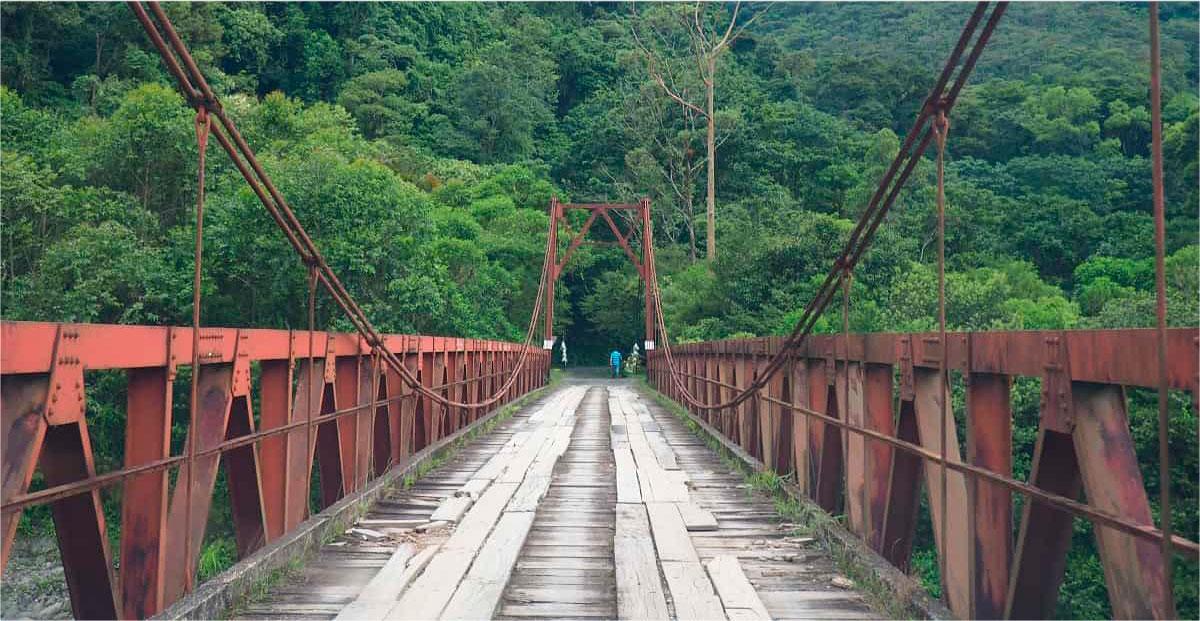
(711, 144)
(706, 47)
(691, 227)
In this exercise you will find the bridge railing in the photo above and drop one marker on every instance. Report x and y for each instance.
(857, 419)
(272, 405)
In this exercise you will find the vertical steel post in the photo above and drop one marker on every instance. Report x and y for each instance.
(647, 257)
(144, 510)
(989, 445)
(552, 261)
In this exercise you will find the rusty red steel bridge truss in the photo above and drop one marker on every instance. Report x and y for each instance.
(356, 417)
(861, 422)
(856, 419)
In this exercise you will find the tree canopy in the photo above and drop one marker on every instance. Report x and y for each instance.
(420, 144)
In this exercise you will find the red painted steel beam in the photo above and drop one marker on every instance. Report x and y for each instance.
(79, 523)
(28, 345)
(1124, 356)
(575, 241)
(877, 401)
(275, 398)
(1040, 556)
(1181, 545)
(598, 206)
(144, 502)
(989, 445)
(623, 242)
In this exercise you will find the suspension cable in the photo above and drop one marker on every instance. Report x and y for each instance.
(1160, 294)
(309, 402)
(203, 125)
(901, 168)
(941, 127)
(200, 95)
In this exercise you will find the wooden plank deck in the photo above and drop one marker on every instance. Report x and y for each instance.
(591, 503)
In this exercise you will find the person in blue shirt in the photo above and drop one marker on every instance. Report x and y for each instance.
(614, 361)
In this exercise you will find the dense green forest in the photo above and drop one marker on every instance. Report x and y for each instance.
(421, 143)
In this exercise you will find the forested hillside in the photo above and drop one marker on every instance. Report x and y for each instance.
(421, 143)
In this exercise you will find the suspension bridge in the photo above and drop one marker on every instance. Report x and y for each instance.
(421, 477)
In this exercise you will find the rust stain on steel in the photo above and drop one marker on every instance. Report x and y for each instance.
(212, 412)
(245, 483)
(1122, 356)
(1040, 556)
(904, 485)
(79, 523)
(268, 468)
(989, 445)
(801, 459)
(878, 416)
(1133, 568)
(22, 399)
(275, 383)
(144, 502)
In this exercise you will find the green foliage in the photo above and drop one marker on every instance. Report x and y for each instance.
(216, 557)
(377, 102)
(98, 274)
(613, 307)
(421, 143)
(146, 148)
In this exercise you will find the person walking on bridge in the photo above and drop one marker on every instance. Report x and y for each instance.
(614, 361)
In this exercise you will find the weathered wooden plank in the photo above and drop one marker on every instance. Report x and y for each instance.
(474, 488)
(662, 451)
(495, 466)
(280, 609)
(670, 535)
(737, 594)
(390, 522)
(479, 593)
(556, 564)
(557, 611)
(562, 594)
(379, 595)
(645, 486)
(452, 509)
(567, 553)
(662, 487)
(640, 593)
(691, 591)
(628, 487)
(433, 589)
(381, 586)
(530, 493)
(537, 480)
(695, 517)
(520, 461)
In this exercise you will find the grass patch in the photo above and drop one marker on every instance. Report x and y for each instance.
(261, 588)
(808, 519)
